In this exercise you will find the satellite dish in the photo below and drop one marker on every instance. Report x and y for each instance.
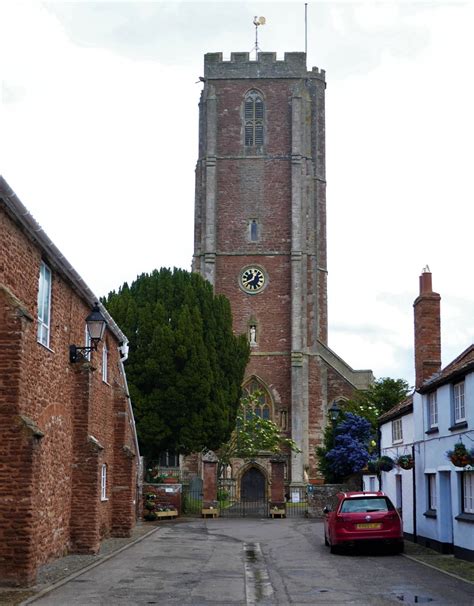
(262, 20)
(259, 21)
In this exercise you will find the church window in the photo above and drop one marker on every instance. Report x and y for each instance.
(261, 405)
(253, 230)
(253, 117)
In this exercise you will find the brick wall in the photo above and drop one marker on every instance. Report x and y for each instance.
(59, 421)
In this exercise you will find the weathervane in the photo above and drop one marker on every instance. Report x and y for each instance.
(257, 21)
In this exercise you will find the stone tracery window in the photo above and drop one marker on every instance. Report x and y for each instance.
(253, 118)
(262, 406)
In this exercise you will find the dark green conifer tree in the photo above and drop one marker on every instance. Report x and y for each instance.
(185, 366)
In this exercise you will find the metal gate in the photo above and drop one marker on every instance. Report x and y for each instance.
(192, 496)
(247, 500)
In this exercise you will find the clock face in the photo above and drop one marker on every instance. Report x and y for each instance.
(252, 279)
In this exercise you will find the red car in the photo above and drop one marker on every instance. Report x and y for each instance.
(362, 517)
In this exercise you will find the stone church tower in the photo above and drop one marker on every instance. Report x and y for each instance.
(260, 235)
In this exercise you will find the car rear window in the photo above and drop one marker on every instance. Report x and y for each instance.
(365, 504)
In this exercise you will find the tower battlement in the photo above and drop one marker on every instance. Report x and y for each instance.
(266, 66)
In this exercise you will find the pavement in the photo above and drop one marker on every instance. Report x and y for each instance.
(65, 569)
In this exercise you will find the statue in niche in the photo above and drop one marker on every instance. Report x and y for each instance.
(253, 335)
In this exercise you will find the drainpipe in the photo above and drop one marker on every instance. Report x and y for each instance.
(415, 539)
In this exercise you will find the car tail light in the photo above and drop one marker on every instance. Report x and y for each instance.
(391, 516)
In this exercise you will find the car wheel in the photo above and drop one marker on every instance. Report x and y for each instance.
(333, 548)
(399, 548)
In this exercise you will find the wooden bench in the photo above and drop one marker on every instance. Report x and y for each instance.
(213, 513)
(277, 513)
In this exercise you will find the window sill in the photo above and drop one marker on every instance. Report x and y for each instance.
(465, 517)
(103, 500)
(430, 513)
(460, 425)
(432, 430)
(398, 441)
(46, 347)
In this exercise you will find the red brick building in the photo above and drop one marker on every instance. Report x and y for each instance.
(260, 238)
(68, 448)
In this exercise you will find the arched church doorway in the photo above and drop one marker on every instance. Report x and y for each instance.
(252, 485)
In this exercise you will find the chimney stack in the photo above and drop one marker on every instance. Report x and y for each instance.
(427, 330)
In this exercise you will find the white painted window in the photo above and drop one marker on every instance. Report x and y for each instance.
(372, 485)
(44, 305)
(103, 483)
(105, 362)
(397, 431)
(459, 409)
(432, 501)
(432, 410)
(468, 491)
(87, 343)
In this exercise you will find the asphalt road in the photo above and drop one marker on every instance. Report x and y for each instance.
(250, 561)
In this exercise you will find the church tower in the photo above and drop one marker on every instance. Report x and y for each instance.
(260, 235)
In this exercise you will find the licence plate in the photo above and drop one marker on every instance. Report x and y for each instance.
(372, 525)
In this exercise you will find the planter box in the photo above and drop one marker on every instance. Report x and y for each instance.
(166, 514)
(213, 513)
(277, 513)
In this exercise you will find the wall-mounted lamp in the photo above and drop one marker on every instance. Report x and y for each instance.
(96, 324)
(334, 411)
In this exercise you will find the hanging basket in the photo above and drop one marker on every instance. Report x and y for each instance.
(460, 456)
(383, 463)
(405, 461)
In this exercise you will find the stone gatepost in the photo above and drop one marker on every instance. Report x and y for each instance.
(277, 494)
(209, 484)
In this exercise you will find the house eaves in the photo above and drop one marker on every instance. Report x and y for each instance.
(53, 255)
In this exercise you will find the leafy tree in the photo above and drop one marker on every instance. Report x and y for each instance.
(185, 366)
(380, 397)
(253, 434)
(346, 448)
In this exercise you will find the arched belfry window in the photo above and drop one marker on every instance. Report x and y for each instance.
(261, 405)
(253, 116)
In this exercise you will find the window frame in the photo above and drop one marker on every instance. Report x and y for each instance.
(105, 363)
(45, 282)
(87, 343)
(254, 230)
(265, 403)
(103, 482)
(253, 120)
(433, 410)
(467, 489)
(397, 431)
(431, 492)
(459, 398)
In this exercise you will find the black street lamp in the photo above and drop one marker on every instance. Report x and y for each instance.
(96, 324)
(334, 411)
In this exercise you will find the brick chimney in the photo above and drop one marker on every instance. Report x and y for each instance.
(427, 330)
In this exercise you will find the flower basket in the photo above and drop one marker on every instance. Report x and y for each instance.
(386, 463)
(460, 456)
(405, 461)
(383, 463)
(373, 466)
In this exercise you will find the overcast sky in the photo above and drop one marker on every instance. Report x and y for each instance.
(98, 137)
